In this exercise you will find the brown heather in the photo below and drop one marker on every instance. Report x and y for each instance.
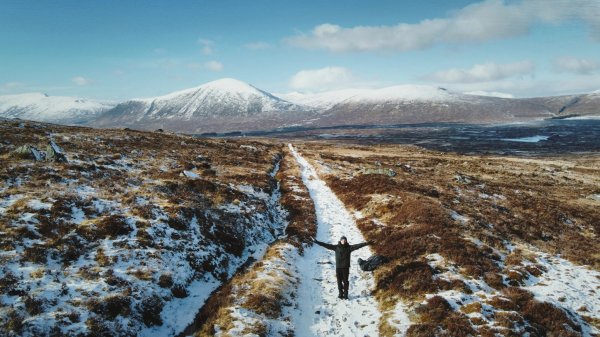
(539, 202)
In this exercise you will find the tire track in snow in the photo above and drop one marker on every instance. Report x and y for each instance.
(319, 312)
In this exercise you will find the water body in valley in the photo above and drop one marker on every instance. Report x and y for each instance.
(559, 136)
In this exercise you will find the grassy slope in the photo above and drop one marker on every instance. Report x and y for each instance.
(449, 222)
(479, 216)
(100, 244)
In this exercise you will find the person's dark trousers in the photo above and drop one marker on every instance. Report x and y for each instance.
(342, 275)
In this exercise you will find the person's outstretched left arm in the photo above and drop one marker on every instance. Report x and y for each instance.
(360, 245)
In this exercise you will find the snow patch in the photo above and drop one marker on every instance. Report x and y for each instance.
(399, 319)
(569, 286)
(458, 217)
(191, 175)
(38, 205)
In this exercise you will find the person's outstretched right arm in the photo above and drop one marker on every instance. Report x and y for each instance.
(325, 245)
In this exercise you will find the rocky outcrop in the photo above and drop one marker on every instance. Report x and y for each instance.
(53, 153)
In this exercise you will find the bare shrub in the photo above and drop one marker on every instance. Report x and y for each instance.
(494, 280)
(179, 291)
(111, 306)
(70, 247)
(33, 305)
(151, 308)
(165, 280)
(36, 254)
(113, 226)
(12, 323)
(550, 320)
(409, 279)
(9, 285)
(435, 310)
(268, 304)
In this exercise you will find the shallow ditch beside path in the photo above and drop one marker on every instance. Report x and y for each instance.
(255, 298)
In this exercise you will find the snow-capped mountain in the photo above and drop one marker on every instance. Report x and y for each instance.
(228, 105)
(321, 100)
(399, 93)
(223, 101)
(57, 109)
(415, 104)
(490, 94)
(225, 97)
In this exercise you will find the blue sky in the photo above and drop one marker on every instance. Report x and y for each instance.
(117, 50)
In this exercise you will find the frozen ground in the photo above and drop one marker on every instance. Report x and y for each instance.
(319, 312)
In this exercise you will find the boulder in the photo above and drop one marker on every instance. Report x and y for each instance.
(29, 152)
(463, 179)
(385, 171)
(55, 153)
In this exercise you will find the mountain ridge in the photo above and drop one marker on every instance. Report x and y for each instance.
(45, 108)
(227, 105)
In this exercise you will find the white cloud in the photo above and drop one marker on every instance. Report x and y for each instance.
(257, 45)
(81, 81)
(482, 73)
(479, 22)
(576, 65)
(207, 46)
(322, 79)
(213, 65)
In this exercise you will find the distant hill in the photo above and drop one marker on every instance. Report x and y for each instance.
(56, 109)
(222, 105)
(580, 105)
(229, 105)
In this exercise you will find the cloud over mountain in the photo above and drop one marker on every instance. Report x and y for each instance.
(576, 65)
(323, 78)
(475, 23)
(483, 72)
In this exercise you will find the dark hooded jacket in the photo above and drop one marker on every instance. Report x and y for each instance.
(342, 252)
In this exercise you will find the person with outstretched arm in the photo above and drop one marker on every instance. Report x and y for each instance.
(342, 262)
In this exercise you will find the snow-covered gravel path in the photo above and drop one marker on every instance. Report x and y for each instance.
(319, 312)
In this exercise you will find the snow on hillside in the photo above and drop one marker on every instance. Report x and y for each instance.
(489, 94)
(118, 240)
(41, 107)
(399, 93)
(221, 97)
(322, 100)
(405, 93)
